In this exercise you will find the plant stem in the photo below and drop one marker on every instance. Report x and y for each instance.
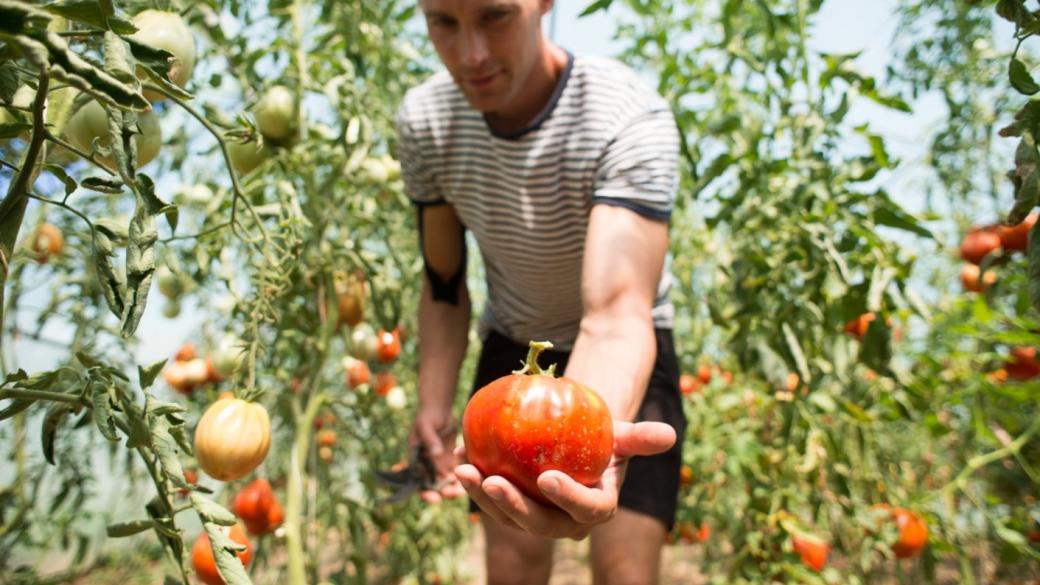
(295, 490)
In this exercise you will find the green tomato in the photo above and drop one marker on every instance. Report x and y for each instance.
(276, 114)
(91, 122)
(170, 284)
(172, 309)
(167, 31)
(246, 157)
(228, 356)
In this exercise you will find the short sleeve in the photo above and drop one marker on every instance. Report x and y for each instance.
(420, 183)
(639, 168)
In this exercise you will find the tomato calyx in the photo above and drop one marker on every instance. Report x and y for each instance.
(531, 367)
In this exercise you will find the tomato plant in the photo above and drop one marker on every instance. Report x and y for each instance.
(528, 422)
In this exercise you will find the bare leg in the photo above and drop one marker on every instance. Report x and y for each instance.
(514, 557)
(627, 550)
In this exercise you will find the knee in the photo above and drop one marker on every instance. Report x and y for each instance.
(627, 574)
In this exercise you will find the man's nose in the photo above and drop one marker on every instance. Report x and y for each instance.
(474, 49)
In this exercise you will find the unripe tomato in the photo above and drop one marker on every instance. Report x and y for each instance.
(388, 346)
(1016, 237)
(196, 372)
(529, 422)
(202, 554)
(170, 284)
(167, 31)
(363, 342)
(384, 382)
(978, 244)
(246, 157)
(232, 438)
(1023, 364)
(255, 505)
(688, 384)
(913, 533)
(91, 122)
(970, 278)
(172, 309)
(813, 550)
(357, 372)
(396, 398)
(46, 242)
(276, 114)
(228, 356)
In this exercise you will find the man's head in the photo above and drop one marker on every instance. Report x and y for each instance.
(490, 47)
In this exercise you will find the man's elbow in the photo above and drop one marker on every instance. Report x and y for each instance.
(607, 307)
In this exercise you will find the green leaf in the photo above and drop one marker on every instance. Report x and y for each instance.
(82, 11)
(147, 375)
(795, 347)
(14, 130)
(211, 511)
(40, 380)
(102, 401)
(15, 407)
(166, 449)
(49, 429)
(59, 172)
(899, 219)
(225, 553)
(1021, 79)
(1034, 265)
(140, 254)
(87, 360)
(102, 185)
(9, 81)
(596, 7)
(122, 529)
(112, 283)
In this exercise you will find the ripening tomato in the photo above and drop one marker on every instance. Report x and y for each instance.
(812, 549)
(185, 353)
(46, 242)
(388, 346)
(970, 278)
(978, 244)
(685, 475)
(202, 554)
(232, 438)
(529, 422)
(350, 300)
(792, 382)
(913, 533)
(255, 504)
(858, 326)
(384, 382)
(1016, 237)
(326, 438)
(1023, 364)
(363, 342)
(196, 371)
(211, 372)
(177, 378)
(357, 372)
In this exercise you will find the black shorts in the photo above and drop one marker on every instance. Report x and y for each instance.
(651, 483)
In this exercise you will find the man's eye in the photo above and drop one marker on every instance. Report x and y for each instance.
(442, 22)
(496, 17)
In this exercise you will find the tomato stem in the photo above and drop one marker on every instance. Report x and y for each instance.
(531, 365)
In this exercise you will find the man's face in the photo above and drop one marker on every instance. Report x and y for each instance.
(488, 46)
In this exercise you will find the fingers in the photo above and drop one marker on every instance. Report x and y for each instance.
(585, 505)
(643, 438)
(472, 481)
(431, 439)
(529, 515)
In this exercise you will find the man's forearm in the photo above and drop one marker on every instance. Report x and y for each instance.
(614, 355)
(443, 337)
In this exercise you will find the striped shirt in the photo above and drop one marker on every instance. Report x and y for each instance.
(604, 137)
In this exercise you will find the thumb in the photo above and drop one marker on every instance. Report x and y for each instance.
(643, 438)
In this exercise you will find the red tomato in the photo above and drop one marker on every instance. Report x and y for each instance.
(913, 533)
(202, 555)
(812, 549)
(688, 384)
(978, 244)
(1016, 237)
(191, 477)
(326, 438)
(685, 475)
(970, 278)
(858, 326)
(357, 373)
(254, 505)
(704, 373)
(529, 422)
(388, 346)
(1023, 364)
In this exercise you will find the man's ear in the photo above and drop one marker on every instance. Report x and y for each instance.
(546, 6)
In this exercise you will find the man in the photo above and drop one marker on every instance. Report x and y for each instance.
(564, 169)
